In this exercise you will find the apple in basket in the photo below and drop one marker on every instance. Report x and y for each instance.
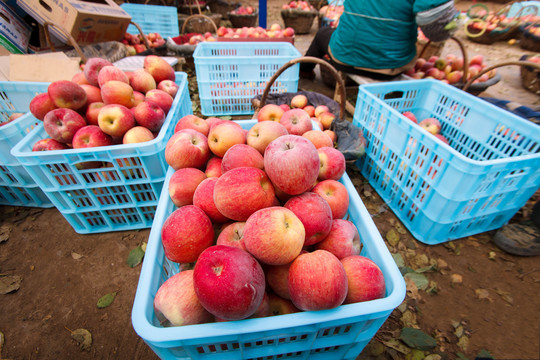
(365, 279)
(431, 125)
(92, 68)
(343, 239)
(169, 86)
(111, 72)
(203, 197)
(142, 81)
(187, 148)
(263, 133)
(159, 68)
(270, 112)
(318, 138)
(40, 105)
(115, 119)
(241, 155)
(149, 114)
(335, 193)
(193, 122)
(280, 306)
(223, 136)
(61, 124)
(314, 213)
(296, 121)
(48, 144)
(182, 185)
(232, 235)
(67, 94)
(91, 136)
(332, 163)
(137, 134)
(160, 97)
(118, 93)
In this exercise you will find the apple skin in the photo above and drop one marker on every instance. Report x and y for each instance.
(229, 282)
(332, 163)
(263, 133)
(182, 185)
(185, 234)
(158, 68)
(409, 115)
(277, 279)
(431, 125)
(48, 144)
(280, 306)
(223, 136)
(314, 213)
(203, 197)
(212, 121)
(233, 235)
(213, 167)
(117, 93)
(115, 120)
(270, 112)
(331, 134)
(299, 101)
(40, 105)
(442, 138)
(92, 68)
(111, 72)
(92, 112)
(335, 194)
(240, 192)
(326, 119)
(285, 107)
(142, 81)
(365, 279)
(318, 138)
(67, 94)
(176, 302)
(61, 124)
(161, 98)
(310, 109)
(149, 114)
(274, 235)
(137, 134)
(169, 86)
(138, 97)
(320, 109)
(292, 163)
(187, 148)
(317, 281)
(241, 155)
(192, 122)
(91, 136)
(296, 121)
(343, 239)
(79, 78)
(93, 93)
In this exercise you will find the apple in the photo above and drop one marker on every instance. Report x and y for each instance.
(185, 234)
(92, 112)
(187, 148)
(365, 279)
(67, 94)
(79, 78)
(159, 68)
(299, 101)
(182, 185)
(241, 155)
(319, 109)
(229, 282)
(48, 144)
(150, 115)
(169, 86)
(160, 97)
(326, 119)
(213, 167)
(310, 109)
(118, 93)
(177, 304)
(292, 164)
(296, 121)
(335, 193)
(115, 119)
(442, 138)
(240, 192)
(93, 93)
(277, 279)
(477, 60)
(270, 112)
(142, 81)
(288, 32)
(62, 124)
(137, 134)
(263, 133)
(193, 122)
(343, 239)
(409, 115)
(40, 105)
(91, 136)
(315, 214)
(431, 125)
(109, 73)
(280, 306)
(223, 136)
(318, 138)
(264, 309)
(274, 235)
(285, 107)
(232, 235)
(203, 198)
(138, 97)
(317, 281)
(331, 134)
(92, 68)
(212, 121)
(332, 162)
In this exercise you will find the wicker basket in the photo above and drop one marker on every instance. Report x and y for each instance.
(530, 77)
(301, 21)
(528, 40)
(223, 7)
(239, 21)
(427, 49)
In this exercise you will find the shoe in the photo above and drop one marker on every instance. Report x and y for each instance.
(519, 239)
(309, 75)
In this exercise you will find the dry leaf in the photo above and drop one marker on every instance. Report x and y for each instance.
(441, 264)
(419, 261)
(76, 256)
(9, 283)
(483, 294)
(456, 279)
(5, 230)
(505, 295)
(392, 236)
(408, 319)
(400, 229)
(396, 345)
(83, 337)
(459, 331)
(433, 357)
(463, 343)
(143, 246)
(1, 341)
(492, 255)
(412, 289)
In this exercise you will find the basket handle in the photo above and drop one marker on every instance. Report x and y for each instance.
(304, 59)
(143, 37)
(463, 53)
(198, 16)
(72, 41)
(506, 63)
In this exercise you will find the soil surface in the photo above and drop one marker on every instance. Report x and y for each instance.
(480, 300)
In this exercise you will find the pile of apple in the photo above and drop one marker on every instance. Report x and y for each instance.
(331, 14)
(260, 214)
(103, 105)
(243, 10)
(449, 69)
(275, 31)
(298, 5)
(430, 124)
(136, 45)
(194, 38)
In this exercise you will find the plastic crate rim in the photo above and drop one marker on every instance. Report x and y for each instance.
(222, 45)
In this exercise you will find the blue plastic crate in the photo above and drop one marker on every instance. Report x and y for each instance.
(230, 74)
(153, 18)
(122, 193)
(441, 192)
(339, 333)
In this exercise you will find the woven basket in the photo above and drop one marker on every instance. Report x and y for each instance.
(528, 40)
(427, 49)
(530, 77)
(223, 7)
(301, 21)
(239, 21)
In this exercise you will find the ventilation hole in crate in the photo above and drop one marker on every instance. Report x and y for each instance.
(7, 175)
(411, 146)
(116, 217)
(148, 212)
(469, 206)
(104, 197)
(62, 174)
(131, 168)
(421, 192)
(80, 198)
(93, 218)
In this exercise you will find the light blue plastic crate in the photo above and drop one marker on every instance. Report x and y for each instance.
(122, 193)
(153, 18)
(339, 333)
(441, 192)
(230, 74)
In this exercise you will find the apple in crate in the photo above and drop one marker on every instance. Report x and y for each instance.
(79, 78)
(203, 197)
(111, 72)
(193, 122)
(187, 148)
(332, 163)
(277, 279)
(91, 136)
(115, 119)
(159, 68)
(138, 97)
(431, 125)
(92, 112)
(299, 101)
(142, 81)
(40, 105)
(137, 134)
(365, 279)
(240, 192)
(319, 109)
(343, 239)
(48, 144)
(177, 304)
(296, 121)
(61, 124)
(335, 194)
(263, 133)
(326, 118)
(92, 67)
(292, 164)
(118, 93)
(318, 138)
(185, 234)
(160, 97)
(182, 185)
(281, 306)
(314, 213)
(212, 121)
(93, 93)
(241, 155)
(149, 114)
(213, 167)
(233, 235)
(274, 235)
(409, 115)
(317, 281)
(67, 94)
(169, 86)
(229, 282)
(223, 136)
(270, 112)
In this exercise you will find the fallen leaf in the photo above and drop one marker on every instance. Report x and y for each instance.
(76, 256)
(461, 356)
(483, 294)
(106, 300)
(10, 283)
(432, 289)
(459, 331)
(412, 289)
(143, 246)
(47, 317)
(484, 354)
(417, 339)
(83, 338)
(5, 230)
(441, 264)
(456, 279)
(420, 280)
(492, 255)
(463, 342)
(408, 319)
(1, 341)
(375, 348)
(396, 345)
(419, 261)
(400, 229)
(433, 357)
(402, 307)
(392, 236)
(135, 256)
(415, 355)
(425, 269)
(398, 258)
(505, 295)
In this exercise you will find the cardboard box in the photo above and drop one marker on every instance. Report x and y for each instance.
(14, 32)
(88, 22)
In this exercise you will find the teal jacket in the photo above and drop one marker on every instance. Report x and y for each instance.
(378, 34)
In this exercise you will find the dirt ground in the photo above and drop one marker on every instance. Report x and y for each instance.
(480, 300)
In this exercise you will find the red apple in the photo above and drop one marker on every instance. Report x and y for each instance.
(62, 124)
(241, 155)
(137, 134)
(40, 105)
(277, 278)
(159, 68)
(232, 235)
(92, 68)
(142, 81)
(111, 72)
(223, 136)
(365, 279)
(280, 306)
(270, 112)
(169, 86)
(212, 121)
(299, 101)
(182, 185)
(203, 197)
(160, 97)
(326, 119)
(335, 193)
(431, 125)
(91, 136)
(193, 122)
(332, 163)
(187, 148)
(150, 115)
(213, 167)
(79, 78)
(343, 239)
(319, 109)
(409, 115)
(263, 133)
(314, 213)
(67, 94)
(115, 119)
(318, 138)
(296, 121)
(118, 93)
(48, 144)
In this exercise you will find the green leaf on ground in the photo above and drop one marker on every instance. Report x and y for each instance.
(398, 258)
(392, 236)
(83, 337)
(106, 300)
(135, 256)
(461, 356)
(415, 355)
(417, 339)
(9, 283)
(420, 280)
(484, 354)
